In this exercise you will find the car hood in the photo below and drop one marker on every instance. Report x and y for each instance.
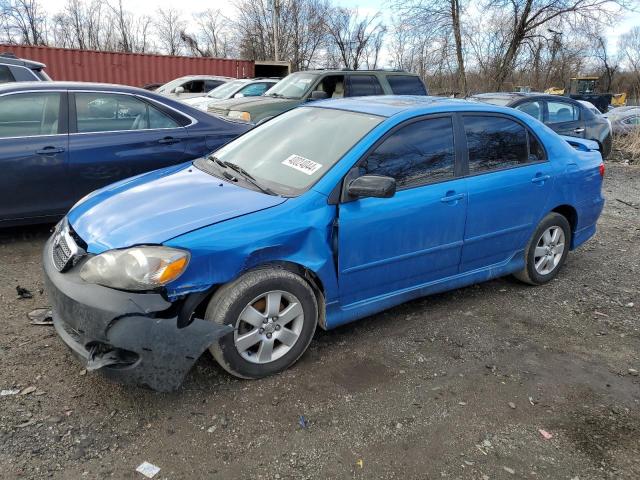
(249, 103)
(157, 206)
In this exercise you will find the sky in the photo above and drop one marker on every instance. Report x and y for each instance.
(189, 7)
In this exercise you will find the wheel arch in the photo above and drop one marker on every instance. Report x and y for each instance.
(570, 213)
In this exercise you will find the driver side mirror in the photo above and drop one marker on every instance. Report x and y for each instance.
(178, 90)
(319, 95)
(376, 186)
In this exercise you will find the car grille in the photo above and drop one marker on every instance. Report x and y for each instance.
(64, 249)
(61, 253)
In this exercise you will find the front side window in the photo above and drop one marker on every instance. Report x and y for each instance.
(211, 84)
(363, 85)
(27, 114)
(532, 108)
(560, 112)
(194, 86)
(5, 75)
(111, 112)
(292, 151)
(406, 85)
(421, 152)
(495, 143)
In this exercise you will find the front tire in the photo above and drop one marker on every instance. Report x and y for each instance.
(546, 250)
(274, 313)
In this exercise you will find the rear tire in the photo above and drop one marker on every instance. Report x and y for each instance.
(274, 313)
(546, 250)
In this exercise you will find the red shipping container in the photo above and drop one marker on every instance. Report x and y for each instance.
(135, 69)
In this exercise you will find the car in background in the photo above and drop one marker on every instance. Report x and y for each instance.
(60, 141)
(246, 87)
(266, 251)
(152, 86)
(191, 86)
(625, 120)
(562, 114)
(14, 69)
(301, 87)
(593, 109)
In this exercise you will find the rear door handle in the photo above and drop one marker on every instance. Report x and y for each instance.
(578, 130)
(540, 178)
(169, 140)
(49, 150)
(451, 197)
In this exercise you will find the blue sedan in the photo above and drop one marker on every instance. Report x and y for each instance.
(59, 141)
(323, 215)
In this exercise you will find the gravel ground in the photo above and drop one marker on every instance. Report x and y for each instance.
(456, 385)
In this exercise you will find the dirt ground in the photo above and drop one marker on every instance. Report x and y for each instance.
(456, 385)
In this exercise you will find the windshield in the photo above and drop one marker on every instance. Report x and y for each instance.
(225, 90)
(294, 150)
(293, 86)
(167, 87)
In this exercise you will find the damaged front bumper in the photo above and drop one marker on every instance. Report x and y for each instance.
(129, 337)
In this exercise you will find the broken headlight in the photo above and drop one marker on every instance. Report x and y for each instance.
(136, 268)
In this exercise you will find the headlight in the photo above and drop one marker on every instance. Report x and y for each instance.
(246, 116)
(136, 268)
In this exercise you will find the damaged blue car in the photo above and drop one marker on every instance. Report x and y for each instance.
(323, 215)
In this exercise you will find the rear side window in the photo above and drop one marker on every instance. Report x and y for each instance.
(560, 112)
(363, 85)
(5, 75)
(27, 114)
(422, 152)
(110, 112)
(495, 143)
(532, 108)
(23, 74)
(406, 85)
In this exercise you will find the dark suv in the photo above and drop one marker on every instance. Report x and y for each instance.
(301, 87)
(14, 69)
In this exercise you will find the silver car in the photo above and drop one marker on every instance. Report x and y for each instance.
(191, 86)
(246, 87)
(624, 120)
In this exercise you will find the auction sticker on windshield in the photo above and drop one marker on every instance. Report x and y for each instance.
(302, 164)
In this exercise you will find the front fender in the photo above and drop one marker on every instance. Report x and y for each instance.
(297, 231)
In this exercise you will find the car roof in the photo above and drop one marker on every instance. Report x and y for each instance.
(350, 71)
(26, 86)
(10, 59)
(390, 105)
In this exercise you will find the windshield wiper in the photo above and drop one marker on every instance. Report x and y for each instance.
(246, 175)
(277, 95)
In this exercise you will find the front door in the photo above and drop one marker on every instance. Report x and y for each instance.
(115, 136)
(33, 155)
(509, 183)
(564, 118)
(387, 245)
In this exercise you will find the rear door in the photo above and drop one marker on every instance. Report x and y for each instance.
(34, 155)
(509, 182)
(387, 245)
(116, 135)
(564, 118)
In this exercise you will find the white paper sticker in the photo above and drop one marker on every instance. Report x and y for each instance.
(147, 469)
(302, 164)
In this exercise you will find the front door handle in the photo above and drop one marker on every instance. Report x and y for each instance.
(50, 150)
(578, 130)
(169, 140)
(452, 197)
(540, 178)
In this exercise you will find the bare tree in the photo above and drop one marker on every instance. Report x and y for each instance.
(442, 18)
(352, 34)
(168, 28)
(83, 25)
(24, 21)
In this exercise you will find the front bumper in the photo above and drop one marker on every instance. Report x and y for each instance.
(129, 337)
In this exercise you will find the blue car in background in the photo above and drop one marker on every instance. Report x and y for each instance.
(325, 214)
(60, 141)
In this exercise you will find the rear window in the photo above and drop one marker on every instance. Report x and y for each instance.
(406, 85)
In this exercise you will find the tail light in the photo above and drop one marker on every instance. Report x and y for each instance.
(602, 170)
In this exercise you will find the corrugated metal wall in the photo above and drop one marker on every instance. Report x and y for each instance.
(134, 69)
